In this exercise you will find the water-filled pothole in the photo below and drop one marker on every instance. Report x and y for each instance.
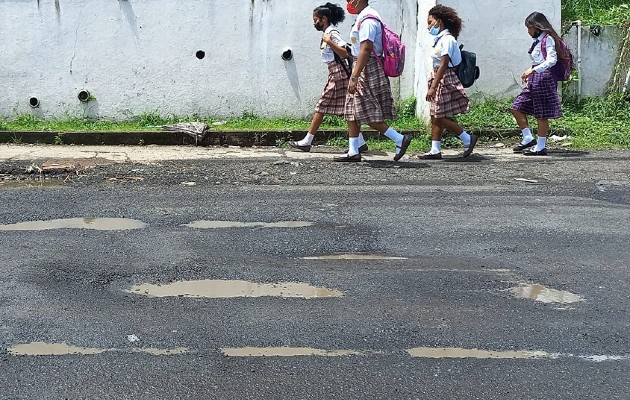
(285, 352)
(100, 224)
(51, 349)
(545, 295)
(233, 288)
(453, 352)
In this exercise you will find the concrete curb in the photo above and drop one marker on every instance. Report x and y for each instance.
(214, 138)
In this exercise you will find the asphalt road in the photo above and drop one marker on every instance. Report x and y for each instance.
(499, 278)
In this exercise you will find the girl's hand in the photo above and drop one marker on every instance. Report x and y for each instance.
(352, 86)
(526, 75)
(431, 94)
(326, 38)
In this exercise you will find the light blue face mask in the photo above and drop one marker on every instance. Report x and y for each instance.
(434, 31)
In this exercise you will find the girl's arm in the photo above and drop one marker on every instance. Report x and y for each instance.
(341, 51)
(437, 78)
(364, 56)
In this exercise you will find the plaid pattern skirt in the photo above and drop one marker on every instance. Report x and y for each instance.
(333, 99)
(373, 101)
(450, 98)
(540, 97)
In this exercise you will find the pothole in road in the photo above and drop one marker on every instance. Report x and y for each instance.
(453, 352)
(63, 349)
(355, 256)
(285, 352)
(544, 294)
(51, 349)
(236, 224)
(234, 288)
(100, 224)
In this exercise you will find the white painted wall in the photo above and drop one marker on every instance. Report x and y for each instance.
(495, 31)
(598, 53)
(137, 56)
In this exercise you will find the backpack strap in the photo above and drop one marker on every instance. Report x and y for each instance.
(339, 60)
(543, 46)
(371, 16)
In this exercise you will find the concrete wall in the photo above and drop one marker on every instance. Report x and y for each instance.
(495, 31)
(138, 56)
(598, 53)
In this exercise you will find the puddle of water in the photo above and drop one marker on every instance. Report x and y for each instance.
(453, 352)
(355, 256)
(229, 289)
(162, 352)
(62, 349)
(51, 349)
(236, 224)
(545, 295)
(100, 224)
(285, 352)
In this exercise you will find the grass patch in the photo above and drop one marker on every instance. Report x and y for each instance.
(596, 12)
(595, 123)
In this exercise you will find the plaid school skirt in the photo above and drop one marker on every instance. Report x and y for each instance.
(450, 98)
(373, 101)
(540, 97)
(333, 99)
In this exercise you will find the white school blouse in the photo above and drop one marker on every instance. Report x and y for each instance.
(370, 30)
(444, 44)
(328, 54)
(537, 57)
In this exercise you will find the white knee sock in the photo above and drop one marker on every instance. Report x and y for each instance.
(541, 143)
(527, 136)
(353, 148)
(465, 138)
(307, 141)
(436, 146)
(394, 135)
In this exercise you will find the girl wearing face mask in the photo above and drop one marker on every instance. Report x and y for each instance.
(369, 99)
(446, 93)
(334, 52)
(540, 97)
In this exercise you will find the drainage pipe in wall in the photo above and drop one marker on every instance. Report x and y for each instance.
(578, 23)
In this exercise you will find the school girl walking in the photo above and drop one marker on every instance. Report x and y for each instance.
(446, 93)
(334, 51)
(540, 97)
(369, 99)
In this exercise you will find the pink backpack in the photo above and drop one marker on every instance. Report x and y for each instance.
(393, 49)
(562, 70)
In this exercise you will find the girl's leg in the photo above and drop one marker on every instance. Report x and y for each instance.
(527, 139)
(317, 120)
(543, 131)
(353, 154)
(436, 136)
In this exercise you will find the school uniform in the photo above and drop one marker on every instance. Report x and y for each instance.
(450, 97)
(540, 97)
(333, 98)
(372, 101)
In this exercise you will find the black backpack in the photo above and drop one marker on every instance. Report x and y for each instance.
(346, 63)
(467, 71)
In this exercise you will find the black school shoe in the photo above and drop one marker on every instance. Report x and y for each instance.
(542, 152)
(474, 137)
(347, 158)
(295, 145)
(403, 147)
(521, 147)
